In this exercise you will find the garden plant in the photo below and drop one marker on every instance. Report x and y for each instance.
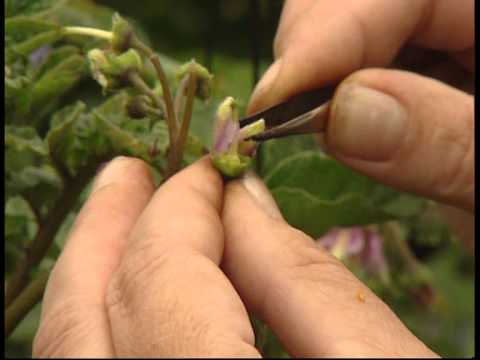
(81, 89)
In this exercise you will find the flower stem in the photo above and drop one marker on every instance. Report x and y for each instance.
(170, 110)
(22, 305)
(180, 96)
(187, 115)
(80, 30)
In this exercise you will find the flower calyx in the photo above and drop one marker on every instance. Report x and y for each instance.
(232, 153)
(122, 34)
(204, 78)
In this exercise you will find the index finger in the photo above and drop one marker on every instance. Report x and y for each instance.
(168, 297)
(334, 38)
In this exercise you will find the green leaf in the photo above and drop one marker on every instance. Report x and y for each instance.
(72, 137)
(333, 194)
(121, 141)
(272, 152)
(315, 216)
(317, 174)
(59, 79)
(56, 56)
(16, 93)
(61, 126)
(25, 34)
(23, 147)
(20, 227)
(28, 7)
(55, 83)
(28, 170)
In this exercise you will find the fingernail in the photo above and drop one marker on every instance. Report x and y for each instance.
(366, 123)
(265, 84)
(108, 172)
(255, 186)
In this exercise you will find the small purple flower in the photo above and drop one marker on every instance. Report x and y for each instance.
(37, 57)
(344, 242)
(231, 153)
(361, 243)
(373, 255)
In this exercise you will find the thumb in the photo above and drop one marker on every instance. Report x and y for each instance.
(407, 131)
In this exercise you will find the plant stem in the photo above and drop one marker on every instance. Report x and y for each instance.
(36, 250)
(81, 30)
(22, 305)
(187, 115)
(167, 95)
(180, 96)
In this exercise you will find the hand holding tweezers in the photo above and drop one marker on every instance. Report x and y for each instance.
(305, 113)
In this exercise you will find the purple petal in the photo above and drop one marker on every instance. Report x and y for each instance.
(356, 240)
(373, 256)
(225, 135)
(38, 56)
(329, 239)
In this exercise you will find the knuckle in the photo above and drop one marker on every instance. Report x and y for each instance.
(133, 277)
(145, 266)
(458, 146)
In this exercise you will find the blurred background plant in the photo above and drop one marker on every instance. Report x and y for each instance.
(55, 139)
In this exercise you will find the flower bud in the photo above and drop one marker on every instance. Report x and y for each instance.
(119, 65)
(122, 33)
(97, 60)
(109, 69)
(137, 106)
(231, 154)
(204, 78)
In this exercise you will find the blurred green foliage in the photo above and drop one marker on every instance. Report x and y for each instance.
(55, 114)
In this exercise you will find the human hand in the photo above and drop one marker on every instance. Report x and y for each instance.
(403, 129)
(310, 300)
(139, 275)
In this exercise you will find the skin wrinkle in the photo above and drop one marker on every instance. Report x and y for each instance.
(66, 320)
(313, 282)
(170, 302)
(297, 268)
(454, 176)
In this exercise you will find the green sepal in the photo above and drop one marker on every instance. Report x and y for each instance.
(204, 78)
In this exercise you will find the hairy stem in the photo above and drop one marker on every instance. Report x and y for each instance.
(170, 110)
(187, 115)
(180, 96)
(36, 250)
(22, 305)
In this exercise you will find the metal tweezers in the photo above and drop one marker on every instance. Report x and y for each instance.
(300, 114)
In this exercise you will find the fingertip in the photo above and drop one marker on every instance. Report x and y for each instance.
(202, 178)
(397, 127)
(266, 91)
(253, 191)
(124, 169)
